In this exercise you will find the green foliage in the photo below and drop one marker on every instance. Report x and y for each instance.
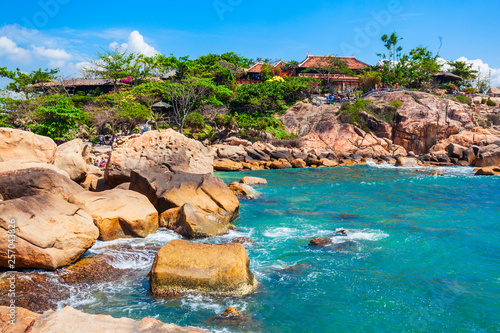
(114, 65)
(23, 83)
(370, 79)
(491, 103)
(57, 118)
(464, 70)
(271, 96)
(464, 99)
(195, 121)
(396, 104)
(483, 100)
(263, 123)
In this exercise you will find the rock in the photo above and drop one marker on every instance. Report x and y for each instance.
(69, 320)
(380, 128)
(407, 162)
(70, 157)
(320, 242)
(282, 154)
(243, 191)
(455, 150)
(97, 184)
(298, 163)
(124, 186)
(73, 164)
(488, 156)
(156, 151)
(257, 154)
(469, 156)
(436, 173)
(182, 266)
(328, 163)
(207, 196)
(232, 316)
(16, 319)
(231, 152)
(488, 171)
(253, 181)
(235, 141)
(50, 232)
(119, 213)
(242, 240)
(37, 181)
(25, 146)
(227, 165)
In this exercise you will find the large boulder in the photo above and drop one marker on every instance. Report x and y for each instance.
(15, 319)
(36, 180)
(182, 266)
(231, 152)
(488, 156)
(213, 202)
(71, 157)
(25, 146)
(119, 213)
(227, 165)
(488, 171)
(157, 151)
(69, 320)
(407, 162)
(243, 191)
(50, 232)
(253, 181)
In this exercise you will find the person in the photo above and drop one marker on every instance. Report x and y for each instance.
(100, 139)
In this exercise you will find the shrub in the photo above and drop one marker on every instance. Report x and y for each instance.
(483, 101)
(491, 103)
(195, 121)
(464, 99)
(396, 104)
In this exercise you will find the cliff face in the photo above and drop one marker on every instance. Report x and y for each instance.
(420, 123)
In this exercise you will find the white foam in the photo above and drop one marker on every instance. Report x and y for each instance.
(357, 235)
(280, 232)
(446, 170)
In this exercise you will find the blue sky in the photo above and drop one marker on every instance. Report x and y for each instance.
(67, 33)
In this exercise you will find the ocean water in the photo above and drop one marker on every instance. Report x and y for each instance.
(422, 254)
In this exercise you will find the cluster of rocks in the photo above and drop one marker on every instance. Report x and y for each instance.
(59, 216)
(69, 320)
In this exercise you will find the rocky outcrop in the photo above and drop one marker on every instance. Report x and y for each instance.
(424, 119)
(157, 151)
(182, 266)
(15, 319)
(488, 171)
(69, 320)
(50, 232)
(119, 213)
(227, 165)
(72, 157)
(25, 146)
(488, 156)
(194, 205)
(36, 180)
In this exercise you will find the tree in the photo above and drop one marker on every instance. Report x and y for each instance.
(394, 51)
(113, 65)
(184, 97)
(24, 83)
(465, 71)
(370, 79)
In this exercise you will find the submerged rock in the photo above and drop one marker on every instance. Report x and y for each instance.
(253, 181)
(242, 240)
(69, 320)
(243, 191)
(182, 266)
(232, 316)
(119, 213)
(50, 232)
(320, 242)
(195, 205)
(436, 173)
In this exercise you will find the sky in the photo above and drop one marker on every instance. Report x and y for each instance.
(67, 33)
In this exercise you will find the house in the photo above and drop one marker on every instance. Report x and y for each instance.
(494, 92)
(446, 77)
(314, 67)
(254, 73)
(74, 86)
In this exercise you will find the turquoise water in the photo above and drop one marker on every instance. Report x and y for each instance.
(422, 255)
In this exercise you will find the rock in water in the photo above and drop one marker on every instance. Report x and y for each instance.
(488, 171)
(320, 242)
(25, 146)
(37, 181)
(157, 151)
(69, 320)
(227, 165)
(194, 205)
(243, 191)
(119, 213)
(50, 232)
(488, 156)
(22, 319)
(253, 181)
(182, 266)
(407, 162)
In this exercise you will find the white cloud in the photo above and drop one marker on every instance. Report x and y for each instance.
(135, 44)
(56, 57)
(9, 49)
(484, 70)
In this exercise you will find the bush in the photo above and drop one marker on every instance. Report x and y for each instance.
(464, 99)
(396, 104)
(491, 103)
(483, 101)
(195, 121)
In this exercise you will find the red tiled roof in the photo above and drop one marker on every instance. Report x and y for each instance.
(316, 61)
(256, 68)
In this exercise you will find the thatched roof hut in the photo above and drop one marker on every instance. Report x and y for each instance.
(446, 77)
(73, 86)
(494, 92)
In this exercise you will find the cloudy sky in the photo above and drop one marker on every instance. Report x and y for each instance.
(67, 33)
